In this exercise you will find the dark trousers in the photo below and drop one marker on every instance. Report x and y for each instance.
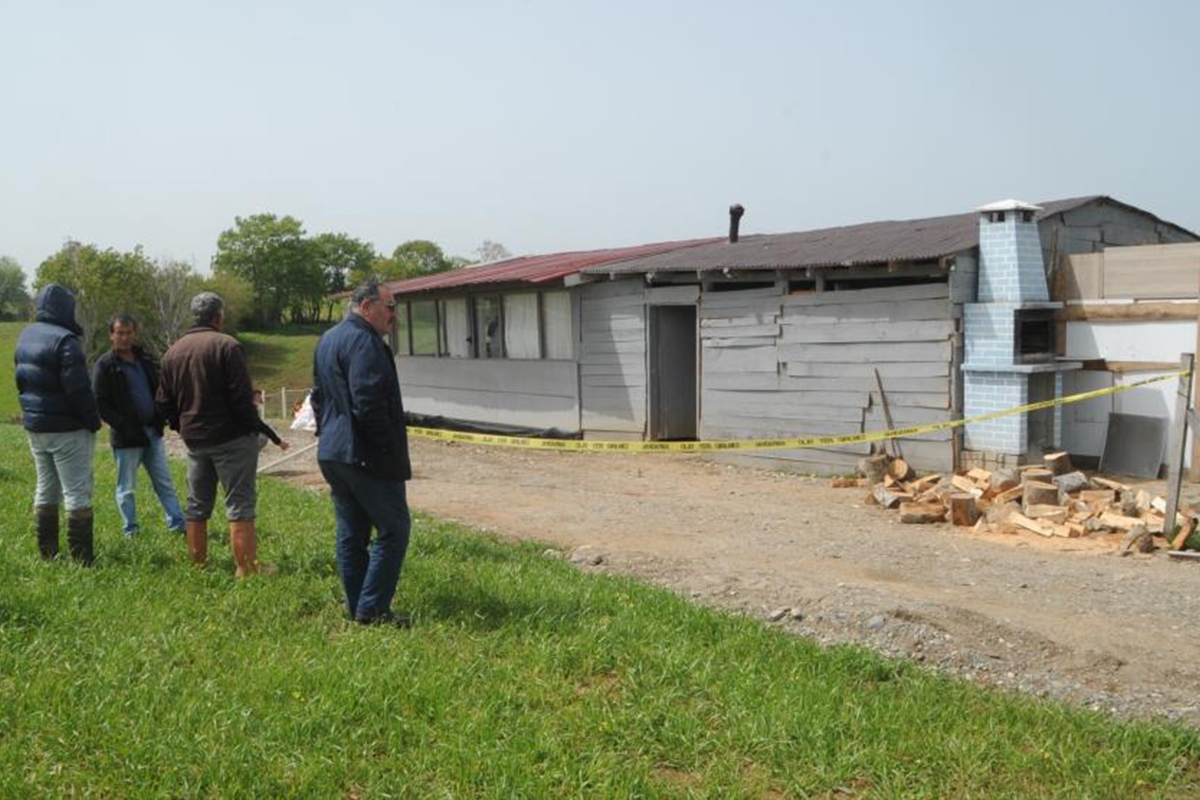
(370, 571)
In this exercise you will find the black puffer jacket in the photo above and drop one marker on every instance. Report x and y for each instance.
(52, 374)
(116, 400)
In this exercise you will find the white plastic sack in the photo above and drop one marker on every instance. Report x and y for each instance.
(305, 419)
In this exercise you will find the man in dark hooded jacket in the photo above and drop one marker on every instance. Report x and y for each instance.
(61, 420)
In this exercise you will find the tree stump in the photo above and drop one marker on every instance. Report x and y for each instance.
(1036, 493)
(874, 467)
(1057, 463)
(963, 509)
(921, 513)
(899, 469)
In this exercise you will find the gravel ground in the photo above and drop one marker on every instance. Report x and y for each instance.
(1063, 618)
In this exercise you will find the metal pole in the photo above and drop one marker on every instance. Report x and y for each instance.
(1183, 408)
(288, 457)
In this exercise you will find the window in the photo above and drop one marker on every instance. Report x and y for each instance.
(424, 324)
(556, 325)
(521, 334)
(457, 333)
(488, 333)
(401, 345)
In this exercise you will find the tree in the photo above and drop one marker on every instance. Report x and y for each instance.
(238, 297)
(104, 282)
(344, 261)
(417, 257)
(491, 251)
(175, 283)
(272, 254)
(14, 300)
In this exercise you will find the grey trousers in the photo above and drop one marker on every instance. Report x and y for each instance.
(64, 468)
(234, 464)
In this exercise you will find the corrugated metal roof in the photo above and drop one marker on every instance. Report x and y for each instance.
(536, 269)
(869, 243)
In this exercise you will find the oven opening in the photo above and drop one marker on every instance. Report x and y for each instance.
(1034, 332)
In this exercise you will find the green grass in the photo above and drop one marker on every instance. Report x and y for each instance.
(9, 408)
(522, 678)
(281, 358)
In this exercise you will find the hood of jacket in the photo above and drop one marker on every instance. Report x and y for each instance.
(56, 305)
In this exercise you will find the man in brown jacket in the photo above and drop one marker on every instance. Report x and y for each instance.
(205, 394)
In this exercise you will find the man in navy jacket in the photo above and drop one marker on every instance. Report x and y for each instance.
(363, 452)
(61, 420)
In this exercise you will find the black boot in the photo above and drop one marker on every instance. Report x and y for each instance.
(47, 531)
(79, 536)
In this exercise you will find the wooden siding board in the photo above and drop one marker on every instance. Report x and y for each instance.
(875, 353)
(911, 310)
(917, 291)
(849, 332)
(912, 369)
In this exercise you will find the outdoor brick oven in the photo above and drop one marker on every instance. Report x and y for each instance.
(1009, 354)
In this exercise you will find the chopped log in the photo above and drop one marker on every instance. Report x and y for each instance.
(1184, 532)
(1028, 524)
(964, 484)
(1155, 523)
(1057, 463)
(1058, 529)
(1008, 495)
(1070, 482)
(1003, 480)
(982, 526)
(1040, 474)
(921, 513)
(1159, 504)
(1137, 539)
(873, 467)
(963, 510)
(921, 484)
(1094, 525)
(1037, 493)
(889, 481)
(998, 514)
(889, 498)
(1104, 496)
(843, 483)
(900, 470)
(1128, 503)
(1074, 530)
(981, 476)
(1119, 521)
(1047, 513)
(1107, 484)
(1143, 500)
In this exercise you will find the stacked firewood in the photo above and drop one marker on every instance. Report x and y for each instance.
(1051, 500)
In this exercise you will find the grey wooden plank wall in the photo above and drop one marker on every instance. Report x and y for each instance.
(612, 358)
(794, 365)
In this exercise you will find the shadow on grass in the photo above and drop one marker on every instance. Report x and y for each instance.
(478, 609)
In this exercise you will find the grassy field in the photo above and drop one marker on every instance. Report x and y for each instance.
(146, 677)
(8, 387)
(282, 358)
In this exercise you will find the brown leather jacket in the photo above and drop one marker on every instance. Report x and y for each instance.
(205, 391)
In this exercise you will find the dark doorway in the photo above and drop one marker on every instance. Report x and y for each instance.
(672, 379)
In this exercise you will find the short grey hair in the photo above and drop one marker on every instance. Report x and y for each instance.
(206, 307)
(367, 290)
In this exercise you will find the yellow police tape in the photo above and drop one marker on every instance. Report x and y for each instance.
(765, 444)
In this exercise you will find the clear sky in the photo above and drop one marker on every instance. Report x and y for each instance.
(571, 125)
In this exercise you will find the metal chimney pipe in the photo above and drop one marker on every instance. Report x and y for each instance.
(735, 219)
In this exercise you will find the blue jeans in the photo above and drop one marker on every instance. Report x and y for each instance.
(154, 459)
(64, 468)
(369, 571)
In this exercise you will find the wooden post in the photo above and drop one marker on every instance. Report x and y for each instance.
(1194, 470)
(1183, 407)
(887, 414)
(283, 403)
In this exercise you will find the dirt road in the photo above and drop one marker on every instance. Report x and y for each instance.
(1066, 618)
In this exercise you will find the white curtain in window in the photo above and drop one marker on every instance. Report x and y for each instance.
(521, 325)
(458, 328)
(556, 312)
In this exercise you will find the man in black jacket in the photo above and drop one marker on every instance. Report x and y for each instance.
(125, 380)
(61, 420)
(363, 452)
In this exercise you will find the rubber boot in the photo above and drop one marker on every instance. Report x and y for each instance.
(196, 532)
(47, 531)
(243, 540)
(79, 536)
